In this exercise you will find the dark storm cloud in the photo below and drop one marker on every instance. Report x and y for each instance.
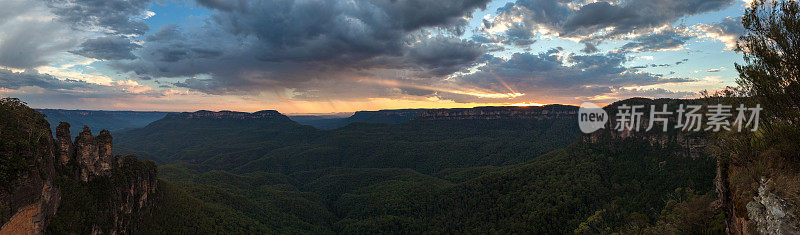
(258, 45)
(341, 31)
(443, 55)
(621, 17)
(107, 48)
(636, 15)
(13, 9)
(114, 15)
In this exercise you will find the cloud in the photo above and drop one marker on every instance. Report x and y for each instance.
(666, 39)
(16, 80)
(114, 16)
(726, 31)
(118, 19)
(590, 48)
(549, 75)
(35, 32)
(46, 83)
(443, 55)
(29, 37)
(295, 46)
(107, 48)
(594, 21)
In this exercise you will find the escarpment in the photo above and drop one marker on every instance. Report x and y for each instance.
(205, 114)
(492, 113)
(65, 186)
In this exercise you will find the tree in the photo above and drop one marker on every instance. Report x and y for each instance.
(771, 48)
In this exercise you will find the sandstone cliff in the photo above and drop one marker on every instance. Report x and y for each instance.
(507, 112)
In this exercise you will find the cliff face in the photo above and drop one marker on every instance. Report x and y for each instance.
(491, 113)
(687, 143)
(41, 177)
(28, 198)
(204, 114)
(385, 116)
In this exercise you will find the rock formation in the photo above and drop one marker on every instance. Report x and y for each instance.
(92, 155)
(33, 163)
(65, 149)
(771, 214)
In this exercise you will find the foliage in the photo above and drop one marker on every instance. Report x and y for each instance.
(684, 213)
(181, 213)
(284, 146)
(91, 205)
(223, 143)
(770, 75)
(554, 193)
(772, 58)
(23, 136)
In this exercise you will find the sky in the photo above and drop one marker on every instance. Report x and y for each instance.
(333, 56)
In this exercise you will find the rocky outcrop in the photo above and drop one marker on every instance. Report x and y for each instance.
(64, 143)
(765, 213)
(109, 120)
(689, 144)
(89, 155)
(771, 214)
